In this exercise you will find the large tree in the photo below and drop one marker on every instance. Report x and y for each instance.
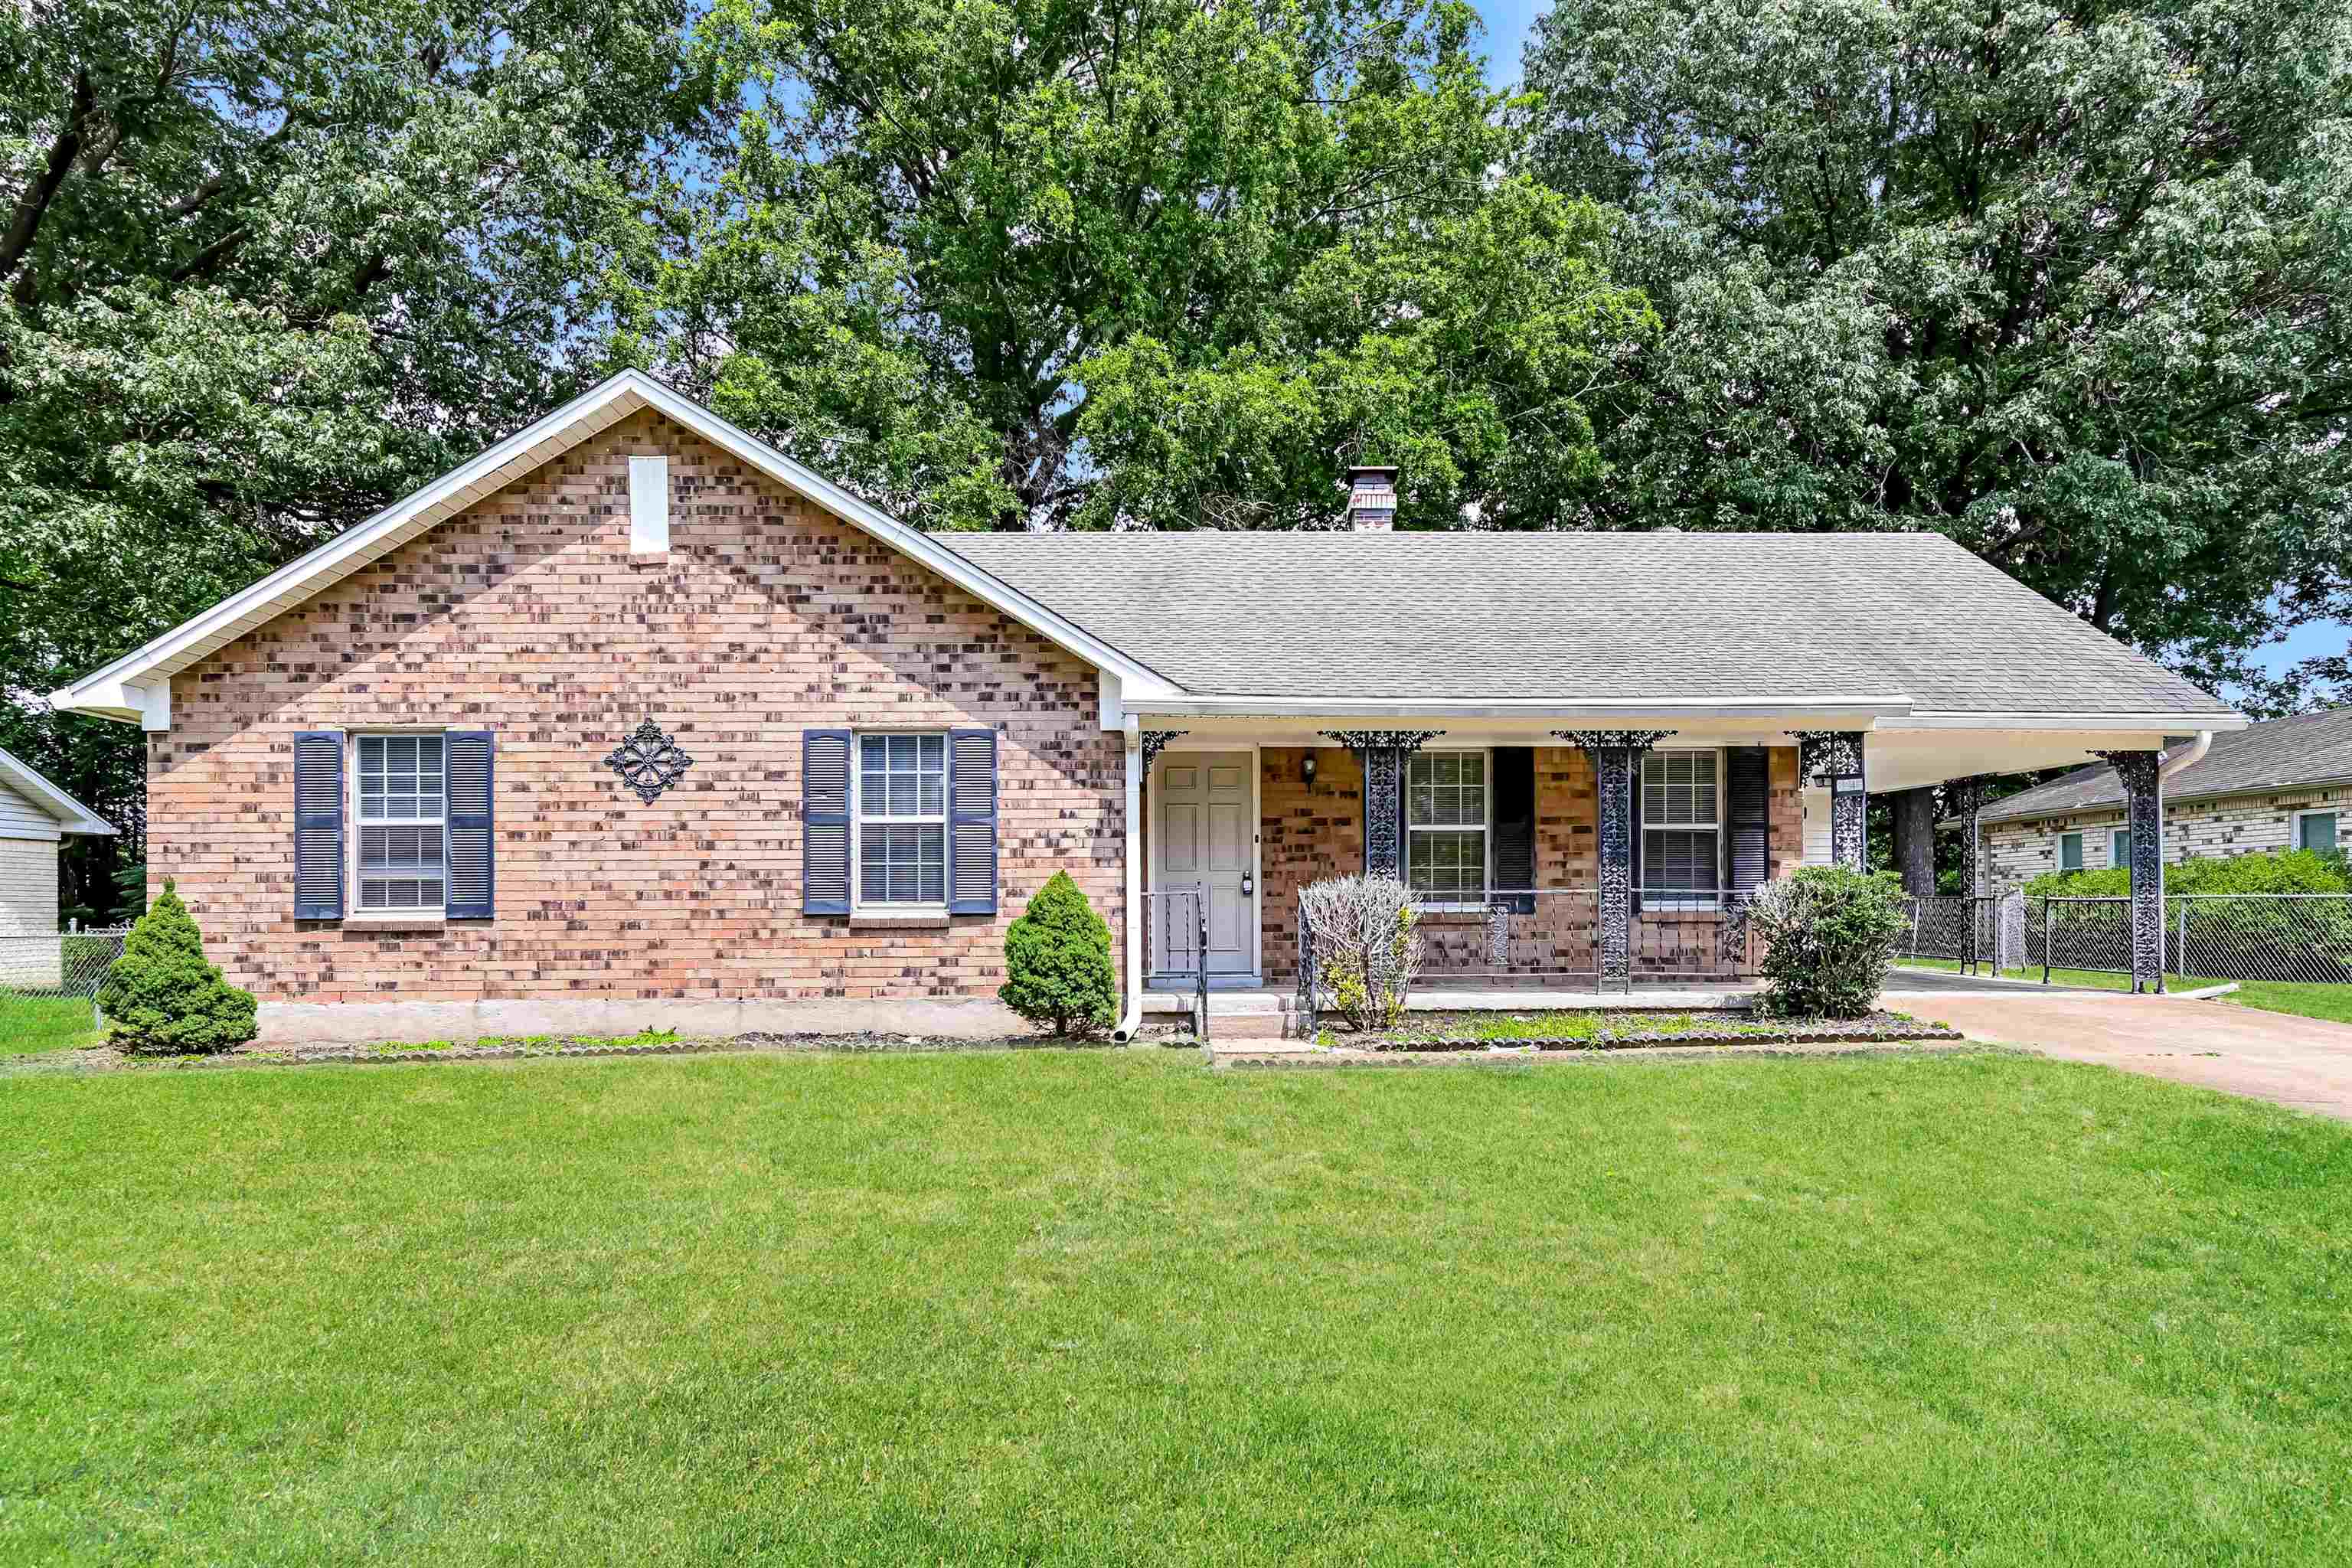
(2067, 282)
(1020, 263)
(265, 264)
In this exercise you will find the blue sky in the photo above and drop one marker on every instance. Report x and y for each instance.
(1507, 21)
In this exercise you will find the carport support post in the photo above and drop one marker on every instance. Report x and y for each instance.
(1967, 797)
(2144, 815)
(1614, 754)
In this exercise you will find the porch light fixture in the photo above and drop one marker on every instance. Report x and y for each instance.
(1307, 768)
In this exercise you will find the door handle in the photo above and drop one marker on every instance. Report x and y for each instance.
(1249, 884)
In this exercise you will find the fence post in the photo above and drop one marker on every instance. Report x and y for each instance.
(1200, 960)
(2046, 939)
(2180, 941)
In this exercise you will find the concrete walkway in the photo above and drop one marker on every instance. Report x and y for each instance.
(2303, 1063)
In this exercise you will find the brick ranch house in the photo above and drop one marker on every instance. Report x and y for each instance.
(634, 722)
(2284, 784)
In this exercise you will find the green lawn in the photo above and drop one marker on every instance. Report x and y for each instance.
(30, 1024)
(1081, 1308)
(2308, 998)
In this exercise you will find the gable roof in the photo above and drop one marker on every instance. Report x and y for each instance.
(129, 687)
(1860, 625)
(2284, 753)
(71, 816)
(1591, 617)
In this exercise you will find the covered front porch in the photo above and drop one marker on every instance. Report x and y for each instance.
(1550, 865)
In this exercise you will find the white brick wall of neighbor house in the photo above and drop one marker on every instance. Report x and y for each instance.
(2016, 852)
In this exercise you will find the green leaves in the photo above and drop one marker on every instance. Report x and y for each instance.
(1153, 264)
(2068, 286)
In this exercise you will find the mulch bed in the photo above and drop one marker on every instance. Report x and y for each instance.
(104, 1058)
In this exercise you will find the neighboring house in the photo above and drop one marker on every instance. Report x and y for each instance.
(36, 815)
(382, 776)
(2284, 784)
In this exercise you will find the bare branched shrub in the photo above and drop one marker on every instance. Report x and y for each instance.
(1364, 948)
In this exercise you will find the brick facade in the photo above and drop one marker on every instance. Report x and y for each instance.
(2017, 852)
(527, 616)
(1313, 831)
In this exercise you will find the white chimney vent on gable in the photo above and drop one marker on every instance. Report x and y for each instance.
(1371, 499)
(648, 505)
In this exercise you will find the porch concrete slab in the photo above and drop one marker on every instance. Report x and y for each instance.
(2302, 1063)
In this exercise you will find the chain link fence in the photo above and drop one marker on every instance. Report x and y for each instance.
(64, 965)
(2207, 936)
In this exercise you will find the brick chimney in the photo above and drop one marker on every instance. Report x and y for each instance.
(1371, 499)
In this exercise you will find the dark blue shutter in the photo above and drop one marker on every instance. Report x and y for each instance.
(1749, 792)
(972, 822)
(1636, 762)
(825, 821)
(466, 763)
(318, 824)
(1514, 826)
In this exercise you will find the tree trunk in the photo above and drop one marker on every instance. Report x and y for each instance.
(1915, 840)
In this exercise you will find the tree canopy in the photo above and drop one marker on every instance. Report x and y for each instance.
(1020, 263)
(2068, 283)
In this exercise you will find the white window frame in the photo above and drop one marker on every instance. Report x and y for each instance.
(2079, 862)
(355, 816)
(858, 902)
(1485, 829)
(1721, 828)
(2336, 812)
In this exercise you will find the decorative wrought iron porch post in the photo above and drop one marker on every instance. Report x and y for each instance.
(1835, 755)
(1968, 799)
(1614, 752)
(1383, 752)
(2143, 784)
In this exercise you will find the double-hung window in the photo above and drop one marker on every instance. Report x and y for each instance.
(2316, 830)
(1682, 822)
(901, 820)
(2070, 852)
(403, 824)
(1445, 820)
(2119, 847)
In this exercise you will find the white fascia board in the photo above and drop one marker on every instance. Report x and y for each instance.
(110, 692)
(2089, 723)
(1815, 712)
(71, 815)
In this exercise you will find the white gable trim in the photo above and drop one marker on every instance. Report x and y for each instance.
(137, 686)
(71, 815)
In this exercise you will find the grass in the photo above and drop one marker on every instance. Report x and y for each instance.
(1077, 1308)
(2309, 999)
(30, 1024)
(1567, 1023)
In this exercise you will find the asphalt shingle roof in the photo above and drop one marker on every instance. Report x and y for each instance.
(1582, 617)
(2312, 748)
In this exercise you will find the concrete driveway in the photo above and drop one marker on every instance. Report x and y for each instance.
(2299, 1062)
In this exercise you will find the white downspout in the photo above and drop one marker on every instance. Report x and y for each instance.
(1133, 943)
(2189, 758)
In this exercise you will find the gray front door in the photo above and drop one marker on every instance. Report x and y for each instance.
(1204, 837)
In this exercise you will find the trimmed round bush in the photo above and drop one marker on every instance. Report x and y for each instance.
(162, 998)
(1057, 963)
(1829, 936)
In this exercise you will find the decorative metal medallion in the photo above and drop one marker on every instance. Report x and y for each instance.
(1828, 754)
(2143, 782)
(1154, 740)
(648, 761)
